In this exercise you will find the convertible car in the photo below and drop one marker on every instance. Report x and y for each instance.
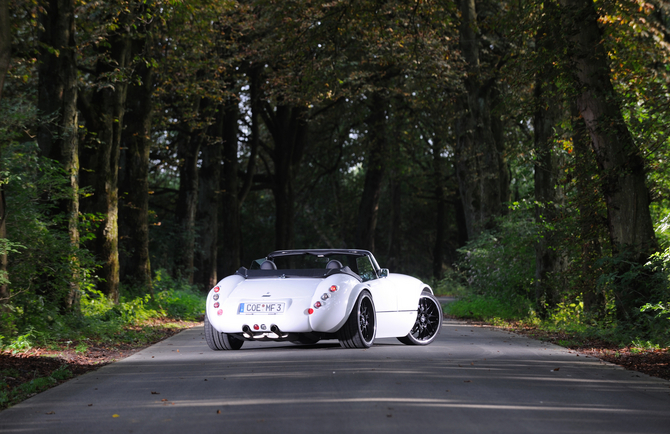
(304, 296)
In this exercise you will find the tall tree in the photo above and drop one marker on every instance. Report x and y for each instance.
(57, 134)
(5, 42)
(5, 57)
(189, 146)
(480, 158)
(103, 109)
(209, 200)
(545, 120)
(287, 126)
(375, 169)
(620, 161)
(134, 179)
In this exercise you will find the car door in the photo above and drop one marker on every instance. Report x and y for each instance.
(384, 294)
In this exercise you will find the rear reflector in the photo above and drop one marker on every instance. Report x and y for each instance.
(219, 312)
(216, 305)
(310, 311)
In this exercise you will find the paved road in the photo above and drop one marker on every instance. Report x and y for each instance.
(471, 380)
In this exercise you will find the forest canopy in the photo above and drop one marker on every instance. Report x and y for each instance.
(517, 149)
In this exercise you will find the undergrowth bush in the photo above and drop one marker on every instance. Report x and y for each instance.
(494, 281)
(500, 263)
(99, 318)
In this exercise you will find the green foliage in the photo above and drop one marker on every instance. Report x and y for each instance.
(500, 263)
(31, 387)
(101, 319)
(488, 308)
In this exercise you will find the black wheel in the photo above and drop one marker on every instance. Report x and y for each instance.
(220, 341)
(361, 326)
(428, 321)
(307, 339)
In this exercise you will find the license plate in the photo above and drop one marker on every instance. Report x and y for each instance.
(261, 308)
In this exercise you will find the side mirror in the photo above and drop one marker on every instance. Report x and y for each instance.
(384, 272)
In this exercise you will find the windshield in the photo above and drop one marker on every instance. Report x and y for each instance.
(359, 264)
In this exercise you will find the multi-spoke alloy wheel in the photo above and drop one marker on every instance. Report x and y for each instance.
(428, 321)
(361, 326)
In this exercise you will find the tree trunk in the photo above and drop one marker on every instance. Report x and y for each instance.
(134, 209)
(619, 159)
(188, 153)
(5, 57)
(57, 103)
(288, 128)
(104, 117)
(545, 120)
(375, 163)
(592, 220)
(394, 255)
(481, 167)
(5, 43)
(232, 243)
(209, 199)
(620, 162)
(440, 203)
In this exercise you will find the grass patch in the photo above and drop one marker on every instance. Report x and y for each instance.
(13, 395)
(489, 309)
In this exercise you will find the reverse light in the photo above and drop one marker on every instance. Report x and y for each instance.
(216, 305)
(333, 288)
(216, 296)
(325, 297)
(217, 289)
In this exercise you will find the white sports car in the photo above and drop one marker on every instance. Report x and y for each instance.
(304, 296)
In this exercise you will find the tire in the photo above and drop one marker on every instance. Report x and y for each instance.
(220, 341)
(428, 321)
(361, 327)
(307, 339)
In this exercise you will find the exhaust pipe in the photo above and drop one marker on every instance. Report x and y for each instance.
(275, 330)
(246, 329)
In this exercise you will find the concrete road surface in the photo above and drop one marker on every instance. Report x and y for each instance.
(471, 380)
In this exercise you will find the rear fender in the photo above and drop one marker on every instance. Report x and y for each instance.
(330, 317)
(225, 286)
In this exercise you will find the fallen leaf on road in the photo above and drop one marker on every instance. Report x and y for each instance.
(556, 369)
(467, 381)
(163, 400)
(115, 415)
(155, 393)
(218, 411)
(51, 412)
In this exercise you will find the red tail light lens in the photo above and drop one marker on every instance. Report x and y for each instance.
(310, 311)
(216, 305)
(317, 304)
(217, 289)
(333, 288)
